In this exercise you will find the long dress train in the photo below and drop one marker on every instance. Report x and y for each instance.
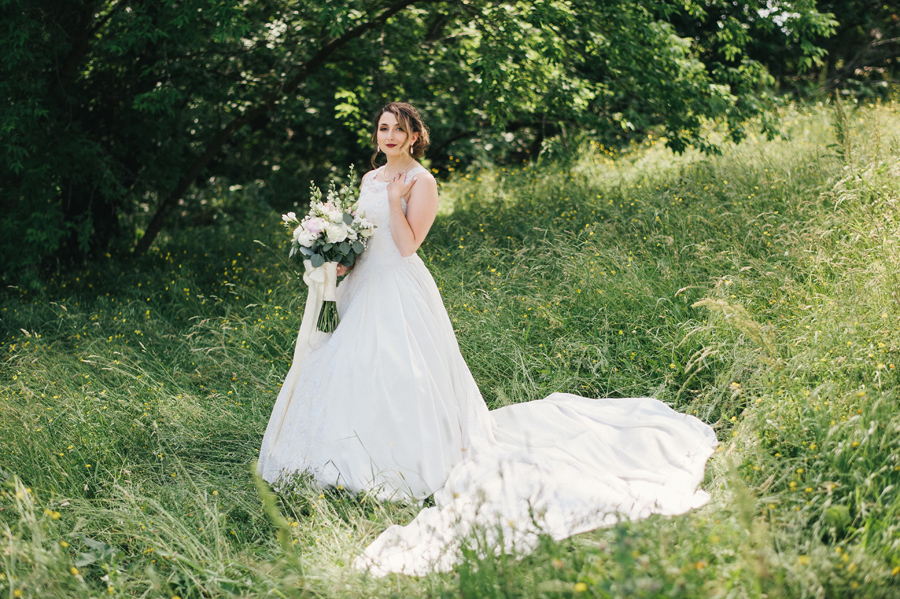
(386, 404)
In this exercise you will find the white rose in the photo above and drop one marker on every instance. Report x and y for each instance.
(304, 237)
(335, 233)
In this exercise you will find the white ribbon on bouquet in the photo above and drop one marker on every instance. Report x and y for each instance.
(322, 282)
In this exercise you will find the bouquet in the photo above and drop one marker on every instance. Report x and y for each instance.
(333, 232)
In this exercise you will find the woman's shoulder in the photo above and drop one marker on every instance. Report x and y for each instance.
(370, 176)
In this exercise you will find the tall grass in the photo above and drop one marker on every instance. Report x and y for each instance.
(756, 289)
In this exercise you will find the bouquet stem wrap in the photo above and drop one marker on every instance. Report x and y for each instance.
(322, 282)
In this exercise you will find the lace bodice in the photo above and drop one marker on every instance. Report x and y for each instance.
(373, 201)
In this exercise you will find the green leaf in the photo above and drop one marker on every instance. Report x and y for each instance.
(317, 260)
(86, 559)
(838, 516)
(358, 247)
(348, 219)
(100, 551)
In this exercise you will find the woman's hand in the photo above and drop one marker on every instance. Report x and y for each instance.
(398, 188)
(409, 229)
(342, 270)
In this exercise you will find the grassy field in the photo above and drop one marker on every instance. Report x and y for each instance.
(757, 289)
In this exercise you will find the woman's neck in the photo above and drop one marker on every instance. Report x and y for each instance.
(398, 164)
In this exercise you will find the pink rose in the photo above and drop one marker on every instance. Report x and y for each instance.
(315, 225)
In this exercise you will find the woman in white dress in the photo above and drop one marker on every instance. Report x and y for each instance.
(387, 405)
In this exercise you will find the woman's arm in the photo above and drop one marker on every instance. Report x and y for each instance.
(409, 230)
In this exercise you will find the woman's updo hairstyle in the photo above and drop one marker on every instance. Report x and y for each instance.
(411, 121)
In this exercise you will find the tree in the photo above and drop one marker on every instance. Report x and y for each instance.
(117, 109)
(865, 49)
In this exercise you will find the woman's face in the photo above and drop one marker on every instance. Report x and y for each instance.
(393, 139)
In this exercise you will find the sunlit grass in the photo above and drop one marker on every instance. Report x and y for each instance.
(757, 290)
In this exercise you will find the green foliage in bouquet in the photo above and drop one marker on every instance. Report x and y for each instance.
(333, 230)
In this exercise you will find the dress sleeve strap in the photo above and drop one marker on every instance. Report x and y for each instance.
(415, 171)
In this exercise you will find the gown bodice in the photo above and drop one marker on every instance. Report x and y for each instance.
(373, 201)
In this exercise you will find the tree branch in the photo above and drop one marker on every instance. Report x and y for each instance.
(893, 40)
(221, 138)
(510, 127)
(868, 56)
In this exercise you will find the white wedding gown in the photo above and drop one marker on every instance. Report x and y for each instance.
(387, 405)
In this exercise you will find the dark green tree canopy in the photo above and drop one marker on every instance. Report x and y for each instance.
(116, 112)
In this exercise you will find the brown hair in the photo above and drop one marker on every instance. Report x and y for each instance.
(411, 121)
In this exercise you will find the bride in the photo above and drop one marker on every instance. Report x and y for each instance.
(386, 405)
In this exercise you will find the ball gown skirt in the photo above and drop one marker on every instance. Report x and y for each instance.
(386, 404)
